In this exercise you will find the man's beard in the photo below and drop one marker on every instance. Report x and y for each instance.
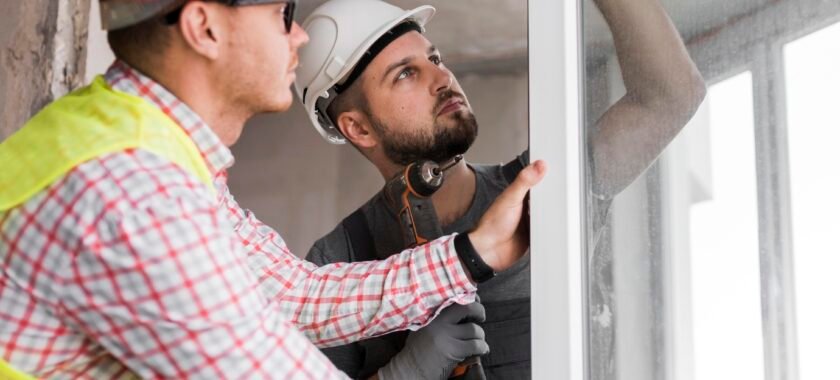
(443, 143)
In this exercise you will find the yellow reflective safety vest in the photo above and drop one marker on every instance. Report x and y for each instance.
(9, 373)
(87, 123)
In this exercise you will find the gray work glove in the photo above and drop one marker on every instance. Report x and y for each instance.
(435, 350)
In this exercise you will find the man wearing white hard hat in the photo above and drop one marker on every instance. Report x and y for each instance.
(124, 254)
(369, 77)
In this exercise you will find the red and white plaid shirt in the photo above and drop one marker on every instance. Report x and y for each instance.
(129, 266)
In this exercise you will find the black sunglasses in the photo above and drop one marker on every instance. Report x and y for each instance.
(172, 17)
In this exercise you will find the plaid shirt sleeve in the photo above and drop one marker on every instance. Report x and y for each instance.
(346, 302)
(175, 286)
(129, 265)
(171, 296)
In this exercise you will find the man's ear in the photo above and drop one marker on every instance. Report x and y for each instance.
(355, 126)
(200, 26)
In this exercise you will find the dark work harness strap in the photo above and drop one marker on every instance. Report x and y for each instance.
(512, 168)
(356, 226)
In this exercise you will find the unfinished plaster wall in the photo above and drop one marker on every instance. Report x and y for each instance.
(43, 46)
(302, 186)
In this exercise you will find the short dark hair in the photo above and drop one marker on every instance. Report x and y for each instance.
(139, 44)
(352, 98)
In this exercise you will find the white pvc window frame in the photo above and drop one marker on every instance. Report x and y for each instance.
(557, 272)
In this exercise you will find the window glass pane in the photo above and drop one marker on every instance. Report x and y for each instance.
(811, 67)
(674, 249)
(724, 243)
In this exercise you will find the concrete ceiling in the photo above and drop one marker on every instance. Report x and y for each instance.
(476, 33)
(469, 30)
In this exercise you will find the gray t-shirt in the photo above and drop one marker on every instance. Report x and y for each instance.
(508, 289)
(489, 183)
(514, 283)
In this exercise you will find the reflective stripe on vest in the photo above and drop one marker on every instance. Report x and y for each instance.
(90, 122)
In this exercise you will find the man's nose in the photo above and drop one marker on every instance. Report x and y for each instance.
(443, 80)
(298, 36)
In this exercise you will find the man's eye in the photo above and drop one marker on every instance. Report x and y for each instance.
(436, 59)
(404, 74)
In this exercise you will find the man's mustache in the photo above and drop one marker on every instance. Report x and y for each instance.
(446, 96)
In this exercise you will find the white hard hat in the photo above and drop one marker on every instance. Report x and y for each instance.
(341, 35)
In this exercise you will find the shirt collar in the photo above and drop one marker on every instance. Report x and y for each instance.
(122, 77)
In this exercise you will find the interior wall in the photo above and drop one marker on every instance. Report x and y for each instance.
(99, 55)
(303, 186)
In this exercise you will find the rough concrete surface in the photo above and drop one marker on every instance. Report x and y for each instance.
(42, 55)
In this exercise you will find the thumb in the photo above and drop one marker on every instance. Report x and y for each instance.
(475, 313)
(529, 177)
(453, 313)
